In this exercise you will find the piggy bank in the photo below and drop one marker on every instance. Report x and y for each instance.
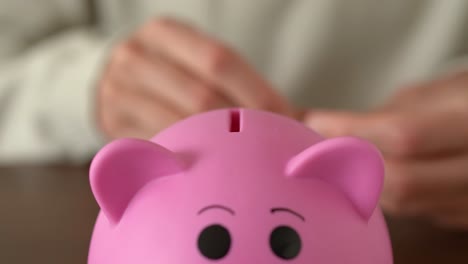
(238, 186)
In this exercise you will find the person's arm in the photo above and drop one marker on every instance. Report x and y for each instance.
(50, 58)
(422, 132)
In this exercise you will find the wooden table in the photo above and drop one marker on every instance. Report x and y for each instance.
(47, 215)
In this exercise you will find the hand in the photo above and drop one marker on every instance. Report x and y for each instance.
(167, 71)
(423, 134)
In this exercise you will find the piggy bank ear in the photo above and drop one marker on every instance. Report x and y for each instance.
(123, 167)
(352, 165)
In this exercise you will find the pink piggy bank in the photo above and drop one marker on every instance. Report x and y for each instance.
(239, 186)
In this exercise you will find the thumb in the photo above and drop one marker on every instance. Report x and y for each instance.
(372, 126)
(340, 123)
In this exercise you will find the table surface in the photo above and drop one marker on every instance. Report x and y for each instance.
(47, 215)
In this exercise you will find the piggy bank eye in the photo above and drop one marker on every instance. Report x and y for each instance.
(214, 242)
(285, 242)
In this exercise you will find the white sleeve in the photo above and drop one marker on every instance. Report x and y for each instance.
(47, 88)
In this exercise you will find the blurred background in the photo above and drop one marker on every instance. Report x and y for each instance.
(77, 74)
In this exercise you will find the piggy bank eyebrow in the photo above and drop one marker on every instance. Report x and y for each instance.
(287, 210)
(216, 206)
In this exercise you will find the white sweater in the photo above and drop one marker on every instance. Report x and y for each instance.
(319, 53)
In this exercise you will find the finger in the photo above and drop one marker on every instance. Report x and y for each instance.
(112, 118)
(299, 114)
(423, 186)
(150, 115)
(397, 133)
(166, 81)
(442, 93)
(119, 124)
(214, 61)
(123, 127)
(147, 114)
(375, 127)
